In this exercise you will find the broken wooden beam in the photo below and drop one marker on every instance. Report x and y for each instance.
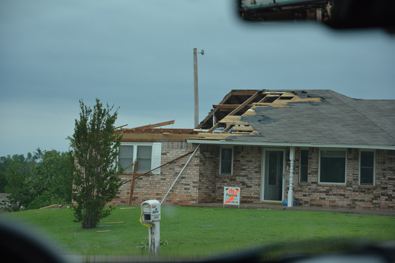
(155, 125)
(121, 126)
(227, 128)
(51, 206)
(127, 181)
(133, 181)
(243, 92)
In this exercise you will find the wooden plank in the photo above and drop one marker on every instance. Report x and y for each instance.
(269, 104)
(121, 126)
(215, 136)
(133, 182)
(242, 128)
(175, 159)
(214, 127)
(51, 206)
(273, 93)
(103, 231)
(164, 130)
(227, 129)
(155, 125)
(226, 106)
(229, 106)
(157, 137)
(288, 94)
(179, 157)
(243, 92)
(233, 120)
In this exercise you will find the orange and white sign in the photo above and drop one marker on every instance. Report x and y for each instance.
(231, 195)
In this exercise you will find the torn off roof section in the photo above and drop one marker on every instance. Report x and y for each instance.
(239, 108)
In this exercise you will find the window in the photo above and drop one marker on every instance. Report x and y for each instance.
(304, 164)
(148, 155)
(126, 157)
(366, 168)
(226, 163)
(144, 154)
(333, 166)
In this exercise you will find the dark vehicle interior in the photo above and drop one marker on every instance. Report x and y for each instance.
(338, 14)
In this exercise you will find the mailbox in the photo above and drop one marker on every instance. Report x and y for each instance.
(150, 210)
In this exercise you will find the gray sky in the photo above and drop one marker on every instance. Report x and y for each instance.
(138, 56)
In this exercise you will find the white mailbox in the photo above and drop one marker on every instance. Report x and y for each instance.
(150, 211)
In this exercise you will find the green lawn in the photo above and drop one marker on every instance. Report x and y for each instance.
(203, 231)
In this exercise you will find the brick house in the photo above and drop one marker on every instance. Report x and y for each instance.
(317, 147)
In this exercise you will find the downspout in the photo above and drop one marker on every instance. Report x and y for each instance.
(291, 176)
(190, 158)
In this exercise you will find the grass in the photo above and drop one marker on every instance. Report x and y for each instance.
(194, 231)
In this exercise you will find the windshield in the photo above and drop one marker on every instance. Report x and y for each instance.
(139, 57)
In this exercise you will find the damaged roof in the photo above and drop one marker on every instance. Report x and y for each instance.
(300, 116)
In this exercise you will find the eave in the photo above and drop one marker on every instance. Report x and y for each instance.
(288, 144)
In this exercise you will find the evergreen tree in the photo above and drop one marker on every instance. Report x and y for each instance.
(96, 177)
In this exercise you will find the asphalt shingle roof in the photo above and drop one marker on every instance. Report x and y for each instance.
(338, 119)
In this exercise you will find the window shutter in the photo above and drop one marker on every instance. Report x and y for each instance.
(156, 157)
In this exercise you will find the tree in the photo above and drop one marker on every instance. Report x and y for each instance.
(52, 178)
(4, 163)
(96, 177)
(38, 180)
(18, 173)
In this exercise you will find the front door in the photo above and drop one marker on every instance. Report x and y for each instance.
(273, 175)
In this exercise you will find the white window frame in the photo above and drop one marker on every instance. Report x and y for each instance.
(220, 160)
(155, 153)
(319, 165)
(374, 167)
(300, 165)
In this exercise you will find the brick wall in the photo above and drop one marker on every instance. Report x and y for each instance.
(351, 195)
(246, 174)
(155, 186)
(208, 173)
(202, 183)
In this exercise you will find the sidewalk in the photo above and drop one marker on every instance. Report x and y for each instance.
(269, 206)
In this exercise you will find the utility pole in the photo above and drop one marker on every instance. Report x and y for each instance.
(196, 88)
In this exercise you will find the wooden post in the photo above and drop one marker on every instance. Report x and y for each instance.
(133, 182)
(291, 176)
(196, 90)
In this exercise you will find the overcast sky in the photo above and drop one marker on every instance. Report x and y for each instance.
(138, 55)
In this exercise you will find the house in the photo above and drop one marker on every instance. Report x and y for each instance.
(315, 147)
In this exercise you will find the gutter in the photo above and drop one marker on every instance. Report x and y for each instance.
(286, 144)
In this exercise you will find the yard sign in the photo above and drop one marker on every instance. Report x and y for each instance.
(231, 195)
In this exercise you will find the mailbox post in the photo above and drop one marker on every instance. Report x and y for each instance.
(150, 216)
